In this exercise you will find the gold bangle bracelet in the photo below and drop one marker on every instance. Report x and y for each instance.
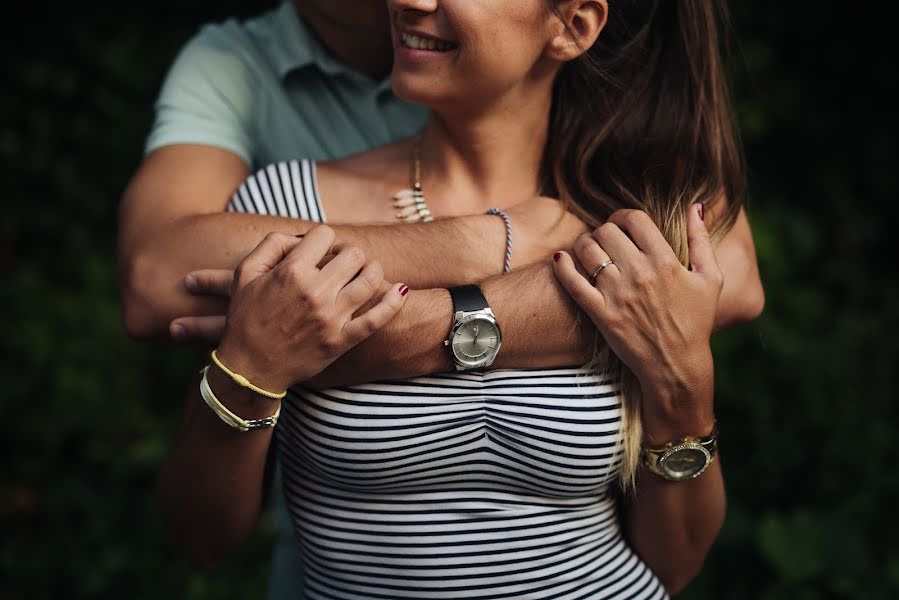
(244, 382)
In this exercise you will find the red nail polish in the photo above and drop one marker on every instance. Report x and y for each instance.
(404, 289)
(557, 256)
(702, 211)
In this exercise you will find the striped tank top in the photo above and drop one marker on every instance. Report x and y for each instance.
(481, 485)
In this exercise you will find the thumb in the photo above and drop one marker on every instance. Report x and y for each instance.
(702, 255)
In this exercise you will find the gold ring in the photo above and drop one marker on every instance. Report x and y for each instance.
(602, 266)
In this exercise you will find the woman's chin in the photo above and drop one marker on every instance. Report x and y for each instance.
(418, 93)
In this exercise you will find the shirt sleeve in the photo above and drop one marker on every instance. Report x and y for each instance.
(206, 97)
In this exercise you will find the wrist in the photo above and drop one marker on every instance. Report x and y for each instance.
(679, 406)
(238, 362)
(238, 399)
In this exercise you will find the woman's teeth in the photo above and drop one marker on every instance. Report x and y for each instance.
(420, 43)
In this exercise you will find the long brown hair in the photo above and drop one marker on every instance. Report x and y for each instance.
(643, 120)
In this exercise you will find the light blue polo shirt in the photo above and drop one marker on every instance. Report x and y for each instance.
(268, 91)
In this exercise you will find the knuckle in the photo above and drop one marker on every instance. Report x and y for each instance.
(669, 265)
(355, 254)
(313, 303)
(332, 344)
(287, 275)
(327, 231)
(371, 277)
(643, 278)
(582, 241)
(240, 272)
(604, 230)
(368, 326)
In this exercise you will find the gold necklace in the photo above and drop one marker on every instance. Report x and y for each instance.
(411, 203)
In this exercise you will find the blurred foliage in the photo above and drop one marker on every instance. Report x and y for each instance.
(806, 394)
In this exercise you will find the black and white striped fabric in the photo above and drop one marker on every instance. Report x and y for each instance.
(459, 485)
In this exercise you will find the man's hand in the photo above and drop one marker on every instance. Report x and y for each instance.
(205, 282)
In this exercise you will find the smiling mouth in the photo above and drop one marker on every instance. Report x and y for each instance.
(422, 43)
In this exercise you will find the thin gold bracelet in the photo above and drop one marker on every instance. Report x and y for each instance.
(229, 417)
(244, 382)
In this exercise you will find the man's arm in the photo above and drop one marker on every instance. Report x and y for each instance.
(542, 327)
(172, 221)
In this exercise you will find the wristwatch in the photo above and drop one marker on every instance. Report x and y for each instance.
(474, 338)
(682, 459)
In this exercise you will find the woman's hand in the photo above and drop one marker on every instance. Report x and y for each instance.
(292, 312)
(655, 314)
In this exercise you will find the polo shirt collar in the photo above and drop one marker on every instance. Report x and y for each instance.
(295, 46)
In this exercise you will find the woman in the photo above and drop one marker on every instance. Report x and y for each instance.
(494, 484)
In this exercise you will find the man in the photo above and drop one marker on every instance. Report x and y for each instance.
(304, 80)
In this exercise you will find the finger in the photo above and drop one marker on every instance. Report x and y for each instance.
(589, 298)
(197, 329)
(216, 282)
(327, 258)
(264, 257)
(347, 263)
(361, 289)
(376, 317)
(617, 244)
(589, 255)
(702, 254)
(640, 228)
(315, 245)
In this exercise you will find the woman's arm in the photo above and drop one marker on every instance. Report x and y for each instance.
(212, 483)
(658, 318)
(287, 321)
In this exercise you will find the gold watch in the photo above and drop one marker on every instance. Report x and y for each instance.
(682, 459)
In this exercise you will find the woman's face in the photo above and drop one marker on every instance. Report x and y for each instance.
(456, 53)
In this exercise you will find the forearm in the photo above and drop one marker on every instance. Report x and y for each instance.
(672, 525)
(211, 487)
(541, 325)
(422, 255)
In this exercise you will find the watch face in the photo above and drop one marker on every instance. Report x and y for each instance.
(685, 461)
(476, 341)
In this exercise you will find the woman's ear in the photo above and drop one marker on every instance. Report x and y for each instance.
(578, 24)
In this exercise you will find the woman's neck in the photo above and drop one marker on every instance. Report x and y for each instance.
(471, 162)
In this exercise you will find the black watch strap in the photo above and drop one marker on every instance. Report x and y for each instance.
(467, 298)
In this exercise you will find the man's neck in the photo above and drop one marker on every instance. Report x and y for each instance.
(366, 49)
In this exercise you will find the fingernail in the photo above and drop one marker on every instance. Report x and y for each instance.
(190, 282)
(557, 256)
(300, 235)
(178, 331)
(404, 289)
(701, 211)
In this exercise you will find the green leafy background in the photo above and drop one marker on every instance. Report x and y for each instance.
(806, 394)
